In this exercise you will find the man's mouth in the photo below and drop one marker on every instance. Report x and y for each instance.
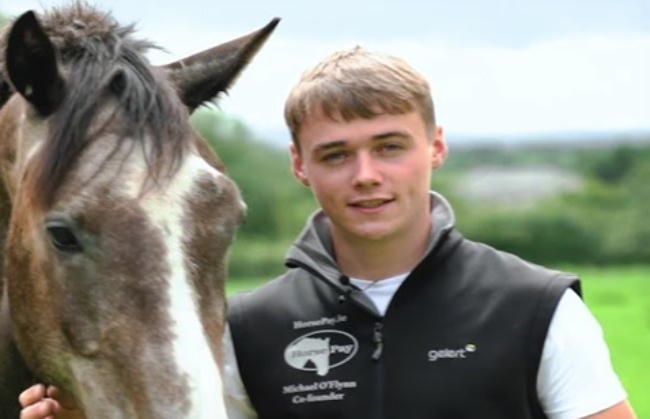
(371, 203)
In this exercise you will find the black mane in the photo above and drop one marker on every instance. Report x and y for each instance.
(99, 59)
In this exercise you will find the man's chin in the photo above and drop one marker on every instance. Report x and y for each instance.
(373, 233)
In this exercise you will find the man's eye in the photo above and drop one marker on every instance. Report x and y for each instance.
(388, 148)
(334, 157)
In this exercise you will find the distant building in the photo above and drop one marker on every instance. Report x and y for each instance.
(516, 185)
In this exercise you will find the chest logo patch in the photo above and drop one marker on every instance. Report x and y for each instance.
(320, 351)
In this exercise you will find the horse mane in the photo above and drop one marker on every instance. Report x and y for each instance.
(100, 58)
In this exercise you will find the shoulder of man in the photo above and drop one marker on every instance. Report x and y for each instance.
(507, 268)
(271, 296)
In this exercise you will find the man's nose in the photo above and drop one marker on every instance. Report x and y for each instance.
(366, 171)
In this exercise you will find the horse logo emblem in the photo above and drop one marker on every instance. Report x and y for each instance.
(321, 351)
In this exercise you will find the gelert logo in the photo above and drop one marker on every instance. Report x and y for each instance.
(321, 351)
(452, 353)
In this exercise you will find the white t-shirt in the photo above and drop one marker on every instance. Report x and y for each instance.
(575, 378)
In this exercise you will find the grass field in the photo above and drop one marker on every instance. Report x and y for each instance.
(620, 299)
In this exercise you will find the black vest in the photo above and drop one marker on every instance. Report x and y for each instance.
(462, 339)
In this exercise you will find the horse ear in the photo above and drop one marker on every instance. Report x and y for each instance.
(201, 77)
(32, 64)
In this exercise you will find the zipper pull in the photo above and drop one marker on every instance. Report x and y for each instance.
(378, 340)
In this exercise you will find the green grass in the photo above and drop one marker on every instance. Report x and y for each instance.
(620, 300)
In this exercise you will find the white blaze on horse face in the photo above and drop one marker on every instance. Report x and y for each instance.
(192, 355)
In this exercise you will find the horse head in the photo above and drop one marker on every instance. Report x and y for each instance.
(118, 215)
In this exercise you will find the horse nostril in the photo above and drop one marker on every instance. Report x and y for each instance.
(82, 338)
(89, 349)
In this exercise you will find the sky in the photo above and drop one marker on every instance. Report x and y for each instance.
(497, 68)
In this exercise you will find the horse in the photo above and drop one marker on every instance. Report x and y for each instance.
(116, 218)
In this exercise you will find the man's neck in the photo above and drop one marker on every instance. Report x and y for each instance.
(380, 259)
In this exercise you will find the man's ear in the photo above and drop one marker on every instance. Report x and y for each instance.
(297, 167)
(439, 152)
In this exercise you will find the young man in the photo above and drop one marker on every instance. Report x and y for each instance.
(386, 311)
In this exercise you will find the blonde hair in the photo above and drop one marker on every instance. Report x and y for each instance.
(358, 83)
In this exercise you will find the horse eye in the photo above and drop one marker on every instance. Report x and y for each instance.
(63, 239)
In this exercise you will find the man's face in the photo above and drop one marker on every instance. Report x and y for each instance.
(370, 176)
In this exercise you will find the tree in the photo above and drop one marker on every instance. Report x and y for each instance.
(615, 164)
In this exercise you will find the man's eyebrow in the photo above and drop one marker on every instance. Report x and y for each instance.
(391, 134)
(328, 146)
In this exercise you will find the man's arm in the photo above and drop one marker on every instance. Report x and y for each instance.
(576, 379)
(622, 410)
